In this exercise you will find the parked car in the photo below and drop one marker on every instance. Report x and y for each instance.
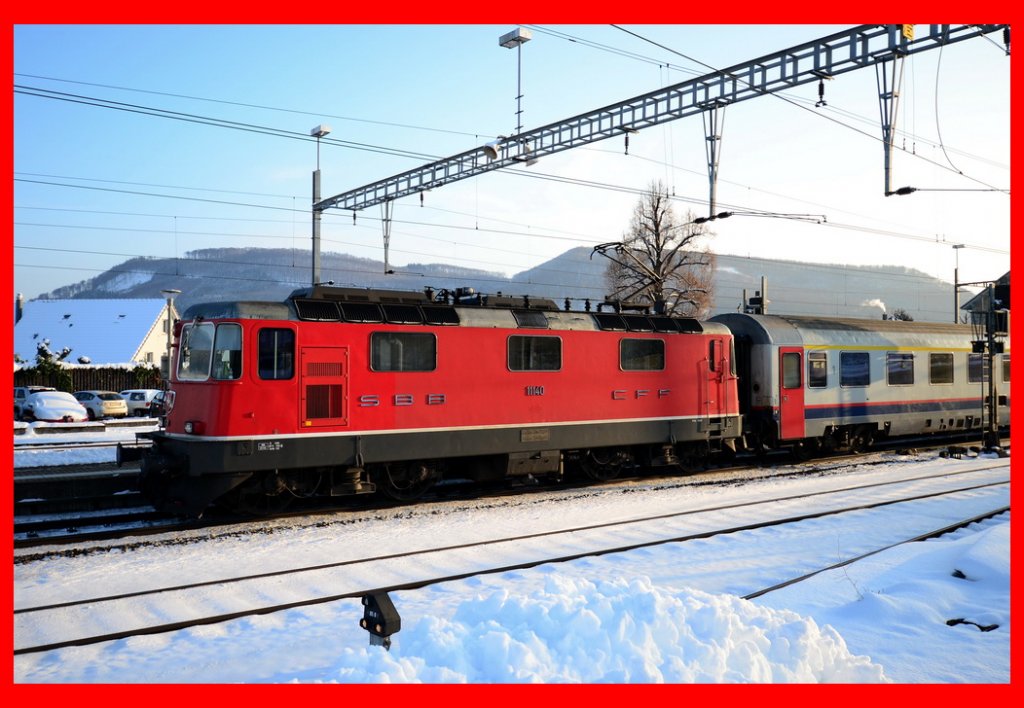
(102, 404)
(21, 393)
(140, 401)
(162, 403)
(53, 407)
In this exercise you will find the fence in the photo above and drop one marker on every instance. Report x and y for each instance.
(73, 378)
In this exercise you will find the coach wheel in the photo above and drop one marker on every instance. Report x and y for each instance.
(805, 449)
(860, 440)
(603, 465)
(406, 481)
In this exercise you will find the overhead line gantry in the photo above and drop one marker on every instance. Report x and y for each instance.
(856, 48)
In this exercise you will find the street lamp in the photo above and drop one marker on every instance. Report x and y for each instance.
(170, 294)
(317, 132)
(517, 38)
(956, 283)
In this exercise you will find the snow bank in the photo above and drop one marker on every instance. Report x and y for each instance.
(613, 631)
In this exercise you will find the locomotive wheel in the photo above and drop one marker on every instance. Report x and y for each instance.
(263, 496)
(405, 481)
(694, 456)
(604, 465)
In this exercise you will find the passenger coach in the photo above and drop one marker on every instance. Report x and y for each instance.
(343, 391)
(812, 383)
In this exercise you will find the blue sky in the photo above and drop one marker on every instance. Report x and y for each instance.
(94, 186)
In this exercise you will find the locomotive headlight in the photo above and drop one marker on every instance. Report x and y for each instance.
(194, 427)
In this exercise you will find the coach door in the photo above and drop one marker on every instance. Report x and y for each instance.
(791, 393)
(323, 389)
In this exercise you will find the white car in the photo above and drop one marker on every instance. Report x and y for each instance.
(53, 407)
(23, 392)
(140, 401)
(102, 404)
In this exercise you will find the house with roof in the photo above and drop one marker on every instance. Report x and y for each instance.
(98, 332)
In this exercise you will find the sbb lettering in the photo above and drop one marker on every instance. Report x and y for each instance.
(371, 400)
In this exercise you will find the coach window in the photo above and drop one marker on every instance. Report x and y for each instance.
(534, 353)
(196, 351)
(940, 368)
(403, 351)
(276, 353)
(1006, 368)
(854, 369)
(899, 367)
(817, 370)
(227, 352)
(642, 354)
(977, 368)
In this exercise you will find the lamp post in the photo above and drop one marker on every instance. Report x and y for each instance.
(317, 132)
(956, 283)
(517, 38)
(169, 294)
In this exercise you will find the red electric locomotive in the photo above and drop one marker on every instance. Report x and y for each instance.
(341, 391)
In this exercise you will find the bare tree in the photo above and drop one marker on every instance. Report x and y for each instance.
(659, 261)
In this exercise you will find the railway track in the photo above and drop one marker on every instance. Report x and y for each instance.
(122, 512)
(43, 626)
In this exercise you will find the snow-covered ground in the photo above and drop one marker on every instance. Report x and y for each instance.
(667, 613)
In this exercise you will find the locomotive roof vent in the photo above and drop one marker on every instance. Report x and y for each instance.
(317, 310)
(531, 318)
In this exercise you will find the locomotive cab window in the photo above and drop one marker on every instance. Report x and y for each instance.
(817, 370)
(854, 369)
(642, 354)
(1006, 368)
(940, 368)
(403, 351)
(196, 351)
(276, 354)
(534, 353)
(899, 368)
(227, 352)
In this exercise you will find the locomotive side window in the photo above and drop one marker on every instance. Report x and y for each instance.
(712, 356)
(817, 370)
(854, 369)
(940, 368)
(227, 352)
(276, 353)
(899, 367)
(534, 353)
(791, 370)
(977, 368)
(1006, 368)
(196, 351)
(403, 351)
(642, 354)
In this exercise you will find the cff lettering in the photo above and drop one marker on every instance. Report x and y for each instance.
(621, 394)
